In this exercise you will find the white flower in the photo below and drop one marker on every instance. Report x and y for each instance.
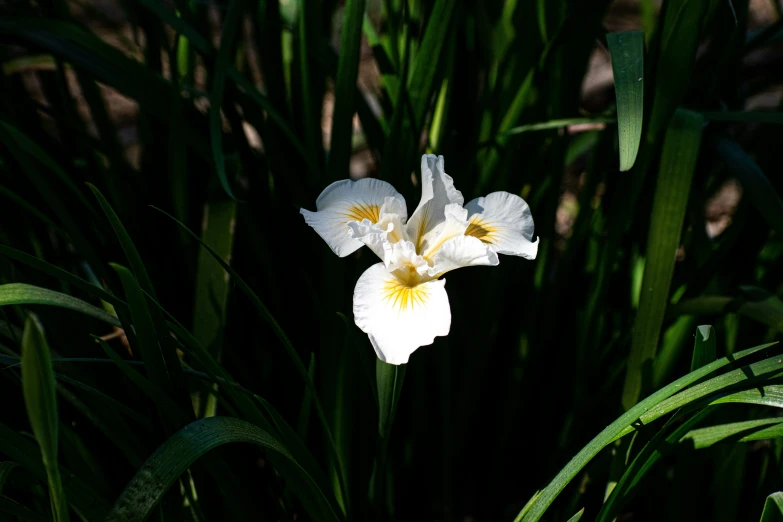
(401, 303)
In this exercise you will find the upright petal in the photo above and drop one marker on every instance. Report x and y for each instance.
(462, 251)
(345, 201)
(399, 318)
(504, 222)
(437, 191)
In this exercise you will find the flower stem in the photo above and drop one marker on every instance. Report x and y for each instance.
(389, 378)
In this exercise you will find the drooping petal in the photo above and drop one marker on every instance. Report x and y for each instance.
(504, 222)
(462, 251)
(345, 201)
(398, 318)
(437, 191)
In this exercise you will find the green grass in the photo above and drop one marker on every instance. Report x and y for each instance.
(177, 344)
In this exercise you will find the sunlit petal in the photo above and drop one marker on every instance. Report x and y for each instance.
(345, 201)
(375, 237)
(454, 225)
(437, 191)
(462, 251)
(504, 222)
(399, 318)
(407, 262)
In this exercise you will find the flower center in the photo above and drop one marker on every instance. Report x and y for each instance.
(402, 295)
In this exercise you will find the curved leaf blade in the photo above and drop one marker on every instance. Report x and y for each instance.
(21, 293)
(624, 424)
(186, 446)
(40, 398)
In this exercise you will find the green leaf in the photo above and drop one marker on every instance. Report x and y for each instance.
(219, 72)
(754, 371)
(345, 91)
(773, 508)
(366, 356)
(15, 509)
(40, 399)
(5, 470)
(310, 37)
(678, 43)
(652, 452)
(760, 191)
(149, 347)
(762, 307)
(673, 342)
(143, 282)
(627, 50)
(621, 426)
(32, 210)
(24, 150)
(212, 283)
(282, 337)
(555, 124)
(678, 163)
(107, 64)
(578, 516)
(704, 350)
(22, 450)
(763, 396)
(180, 451)
(62, 275)
(20, 293)
(415, 94)
(745, 431)
(171, 414)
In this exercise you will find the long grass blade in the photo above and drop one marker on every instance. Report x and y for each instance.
(627, 50)
(624, 424)
(40, 399)
(761, 192)
(345, 91)
(219, 73)
(745, 431)
(678, 163)
(186, 446)
(289, 348)
(20, 293)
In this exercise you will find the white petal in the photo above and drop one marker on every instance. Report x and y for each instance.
(397, 318)
(437, 191)
(345, 201)
(504, 222)
(454, 225)
(462, 251)
(374, 237)
(405, 259)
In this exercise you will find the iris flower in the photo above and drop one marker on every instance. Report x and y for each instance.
(401, 302)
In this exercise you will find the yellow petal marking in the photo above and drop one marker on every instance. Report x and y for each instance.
(482, 230)
(404, 297)
(360, 211)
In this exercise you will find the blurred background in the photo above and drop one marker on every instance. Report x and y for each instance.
(231, 116)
